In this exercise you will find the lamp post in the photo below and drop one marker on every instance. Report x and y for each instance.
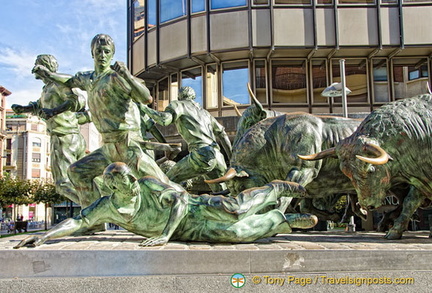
(339, 89)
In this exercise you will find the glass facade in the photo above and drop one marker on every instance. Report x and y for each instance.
(289, 81)
(283, 74)
(381, 91)
(193, 78)
(198, 5)
(235, 77)
(171, 9)
(217, 4)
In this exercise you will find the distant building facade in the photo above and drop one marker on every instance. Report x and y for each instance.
(3, 94)
(27, 156)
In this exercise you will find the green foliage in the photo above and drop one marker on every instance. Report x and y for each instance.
(14, 191)
(45, 192)
(341, 205)
(18, 191)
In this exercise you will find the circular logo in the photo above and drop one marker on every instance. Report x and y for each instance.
(238, 280)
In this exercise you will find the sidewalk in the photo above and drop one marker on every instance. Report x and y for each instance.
(115, 257)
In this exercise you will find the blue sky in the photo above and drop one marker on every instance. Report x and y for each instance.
(63, 28)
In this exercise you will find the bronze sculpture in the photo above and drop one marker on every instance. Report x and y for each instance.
(156, 210)
(67, 143)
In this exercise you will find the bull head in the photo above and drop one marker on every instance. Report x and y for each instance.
(370, 183)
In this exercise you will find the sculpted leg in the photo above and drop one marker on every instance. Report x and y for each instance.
(411, 203)
(268, 224)
(258, 226)
(254, 200)
(82, 173)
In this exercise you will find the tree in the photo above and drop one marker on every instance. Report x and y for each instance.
(14, 191)
(45, 192)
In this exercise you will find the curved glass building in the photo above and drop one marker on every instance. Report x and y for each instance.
(288, 50)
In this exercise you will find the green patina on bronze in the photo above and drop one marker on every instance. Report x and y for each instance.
(203, 134)
(113, 94)
(58, 105)
(153, 209)
(390, 148)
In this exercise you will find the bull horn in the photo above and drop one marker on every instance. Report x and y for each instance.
(254, 99)
(237, 111)
(230, 174)
(382, 158)
(319, 156)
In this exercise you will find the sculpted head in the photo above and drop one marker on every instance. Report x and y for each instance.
(119, 178)
(103, 49)
(365, 164)
(186, 93)
(49, 61)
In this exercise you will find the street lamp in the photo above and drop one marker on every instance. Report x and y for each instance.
(339, 89)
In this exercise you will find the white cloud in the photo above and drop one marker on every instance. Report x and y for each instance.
(20, 63)
(23, 96)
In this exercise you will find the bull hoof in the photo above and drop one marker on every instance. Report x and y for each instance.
(393, 235)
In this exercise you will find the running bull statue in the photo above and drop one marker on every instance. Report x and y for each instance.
(269, 149)
(390, 148)
(251, 116)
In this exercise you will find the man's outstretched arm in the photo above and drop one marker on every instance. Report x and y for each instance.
(162, 118)
(65, 228)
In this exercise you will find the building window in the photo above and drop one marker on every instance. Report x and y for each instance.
(380, 81)
(174, 87)
(36, 173)
(212, 82)
(198, 5)
(216, 4)
(36, 157)
(417, 1)
(163, 96)
(9, 143)
(319, 81)
(151, 13)
(355, 77)
(356, 1)
(193, 78)
(415, 72)
(292, 1)
(139, 18)
(289, 81)
(409, 78)
(37, 142)
(260, 2)
(8, 159)
(235, 77)
(171, 9)
(261, 81)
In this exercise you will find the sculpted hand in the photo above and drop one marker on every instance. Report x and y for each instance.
(82, 117)
(40, 70)
(120, 68)
(154, 241)
(175, 150)
(31, 241)
(47, 113)
(17, 108)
